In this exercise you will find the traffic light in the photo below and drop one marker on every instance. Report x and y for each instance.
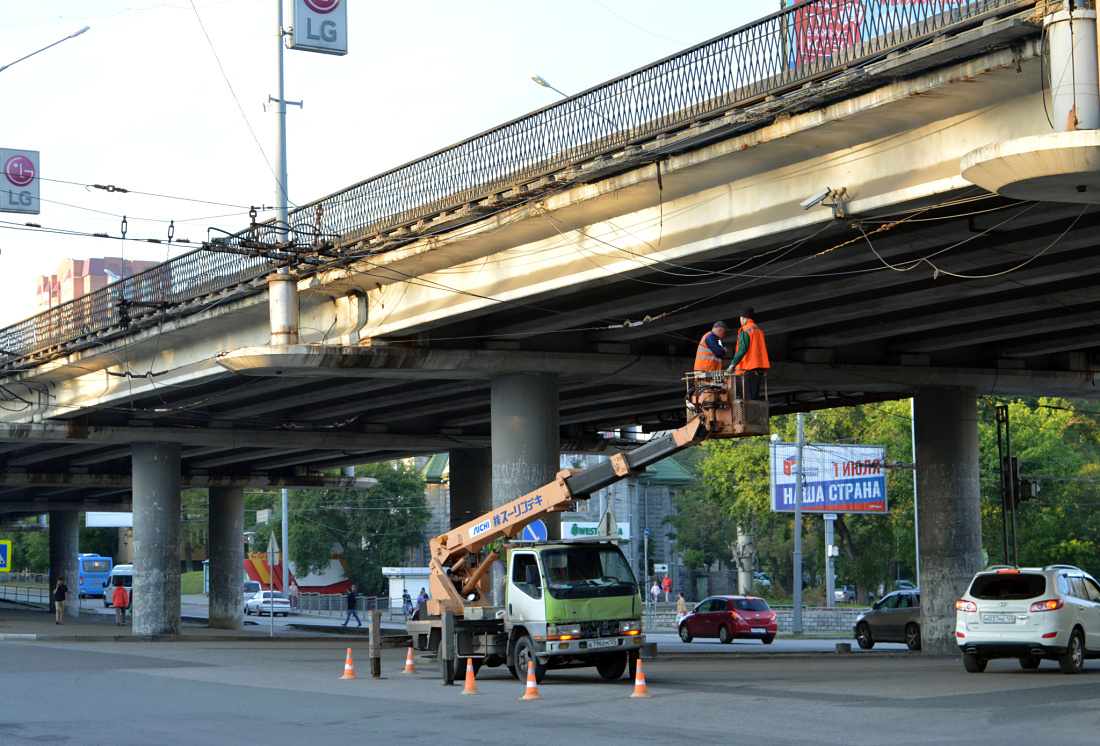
(1027, 491)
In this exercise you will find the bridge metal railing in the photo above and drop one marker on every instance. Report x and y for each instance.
(786, 49)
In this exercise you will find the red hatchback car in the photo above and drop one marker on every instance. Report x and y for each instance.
(729, 617)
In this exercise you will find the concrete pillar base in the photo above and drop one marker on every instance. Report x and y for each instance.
(226, 557)
(156, 490)
(948, 508)
(64, 546)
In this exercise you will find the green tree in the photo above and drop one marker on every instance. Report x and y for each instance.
(371, 528)
(1056, 442)
(875, 548)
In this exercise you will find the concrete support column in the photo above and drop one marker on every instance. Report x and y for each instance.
(156, 493)
(226, 557)
(526, 440)
(471, 490)
(949, 510)
(64, 546)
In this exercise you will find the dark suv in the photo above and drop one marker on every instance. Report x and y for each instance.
(896, 618)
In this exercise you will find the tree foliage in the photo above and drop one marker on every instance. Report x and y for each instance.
(1056, 441)
(371, 528)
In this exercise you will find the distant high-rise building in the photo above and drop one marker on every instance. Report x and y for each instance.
(77, 277)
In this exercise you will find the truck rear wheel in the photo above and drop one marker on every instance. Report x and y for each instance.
(525, 653)
(611, 666)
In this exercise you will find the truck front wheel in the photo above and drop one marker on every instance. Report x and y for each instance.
(611, 666)
(525, 653)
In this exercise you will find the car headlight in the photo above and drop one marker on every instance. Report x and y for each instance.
(633, 627)
(560, 630)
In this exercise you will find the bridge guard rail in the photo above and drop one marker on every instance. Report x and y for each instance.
(808, 41)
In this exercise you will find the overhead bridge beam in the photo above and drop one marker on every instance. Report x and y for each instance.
(327, 440)
(187, 482)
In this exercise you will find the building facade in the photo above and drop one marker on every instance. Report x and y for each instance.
(77, 277)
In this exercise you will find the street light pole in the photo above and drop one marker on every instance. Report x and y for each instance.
(43, 49)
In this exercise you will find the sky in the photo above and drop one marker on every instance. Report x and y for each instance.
(166, 100)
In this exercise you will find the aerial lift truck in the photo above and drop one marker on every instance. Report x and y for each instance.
(499, 600)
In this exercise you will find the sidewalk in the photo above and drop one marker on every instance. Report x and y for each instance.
(26, 622)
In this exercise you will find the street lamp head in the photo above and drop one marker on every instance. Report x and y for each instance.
(78, 33)
(538, 79)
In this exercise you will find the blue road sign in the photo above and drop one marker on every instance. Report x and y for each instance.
(535, 531)
(5, 555)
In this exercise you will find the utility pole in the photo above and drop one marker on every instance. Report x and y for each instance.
(798, 532)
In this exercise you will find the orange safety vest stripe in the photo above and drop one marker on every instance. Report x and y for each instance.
(704, 358)
(756, 358)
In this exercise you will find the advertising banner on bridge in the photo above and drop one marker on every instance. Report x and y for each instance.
(827, 27)
(837, 478)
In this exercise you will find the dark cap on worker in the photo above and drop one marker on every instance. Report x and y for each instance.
(747, 312)
(719, 325)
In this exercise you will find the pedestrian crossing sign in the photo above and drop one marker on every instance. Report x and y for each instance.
(5, 555)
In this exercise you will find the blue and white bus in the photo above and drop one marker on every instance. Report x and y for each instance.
(93, 573)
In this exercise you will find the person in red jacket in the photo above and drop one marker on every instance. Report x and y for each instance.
(751, 357)
(120, 599)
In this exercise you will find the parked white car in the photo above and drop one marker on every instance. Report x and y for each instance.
(268, 602)
(1029, 613)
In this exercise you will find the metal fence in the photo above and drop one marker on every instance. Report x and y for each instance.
(807, 41)
(21, 587)
(335, 604)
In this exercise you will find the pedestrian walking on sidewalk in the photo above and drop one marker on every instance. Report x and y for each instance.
(353, 605)
(60, 593)
(120, 599)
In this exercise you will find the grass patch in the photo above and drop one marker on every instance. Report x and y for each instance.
(191, 583)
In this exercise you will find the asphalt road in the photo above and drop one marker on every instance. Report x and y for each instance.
(290, 692)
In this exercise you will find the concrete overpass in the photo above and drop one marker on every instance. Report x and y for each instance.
(535, 286)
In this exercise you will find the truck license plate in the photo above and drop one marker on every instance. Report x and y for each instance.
(610, 643)
(998, 618)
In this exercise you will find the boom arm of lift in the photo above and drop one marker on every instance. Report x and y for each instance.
(457, 564)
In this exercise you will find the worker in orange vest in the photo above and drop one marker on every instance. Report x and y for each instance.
(750, 359)
(708, 356)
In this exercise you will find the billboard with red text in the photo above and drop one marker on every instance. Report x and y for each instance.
(836, 478)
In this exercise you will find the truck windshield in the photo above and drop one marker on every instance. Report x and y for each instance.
(587, 572)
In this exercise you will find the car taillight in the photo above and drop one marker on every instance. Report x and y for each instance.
(1050, 605)
(966, 605)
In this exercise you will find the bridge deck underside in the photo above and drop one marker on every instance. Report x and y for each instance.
(974, 288)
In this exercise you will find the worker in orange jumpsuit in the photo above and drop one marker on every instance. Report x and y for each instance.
(750, 359)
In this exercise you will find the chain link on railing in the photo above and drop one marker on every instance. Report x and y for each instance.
(805, 42)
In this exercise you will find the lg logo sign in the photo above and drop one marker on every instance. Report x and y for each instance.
(19, 185)
(320, 26)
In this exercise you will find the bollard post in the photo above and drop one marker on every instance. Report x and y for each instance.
(447, 648)
(375, 644)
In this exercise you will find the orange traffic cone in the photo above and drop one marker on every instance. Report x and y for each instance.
(532, 687)
(471, 684)
(639, 682)
(349, 668)
(410, 667)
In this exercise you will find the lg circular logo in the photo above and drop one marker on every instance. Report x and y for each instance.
(322, 6)
(19, 170)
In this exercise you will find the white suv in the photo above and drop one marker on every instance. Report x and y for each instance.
(1029, 613)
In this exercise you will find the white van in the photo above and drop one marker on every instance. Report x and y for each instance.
(251, 588)
(120, 575)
